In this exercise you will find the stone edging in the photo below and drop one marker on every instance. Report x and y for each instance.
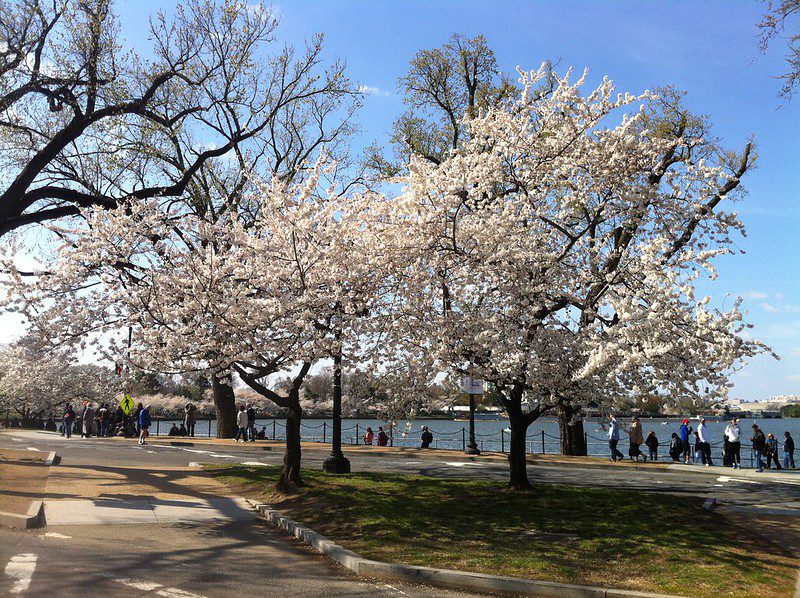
(442, 578)
(34, 517)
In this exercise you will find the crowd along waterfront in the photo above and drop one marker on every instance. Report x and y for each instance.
(493, 434)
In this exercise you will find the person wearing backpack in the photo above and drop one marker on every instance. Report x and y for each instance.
(383, 438)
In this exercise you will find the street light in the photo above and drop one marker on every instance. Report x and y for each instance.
(337, 462)
(472, 386)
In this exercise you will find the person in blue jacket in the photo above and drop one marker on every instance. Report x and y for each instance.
(686, 433)
(144, 424)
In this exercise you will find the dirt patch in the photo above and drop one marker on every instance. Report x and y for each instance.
(21, 482)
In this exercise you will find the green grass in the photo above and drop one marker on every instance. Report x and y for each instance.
(611, 538)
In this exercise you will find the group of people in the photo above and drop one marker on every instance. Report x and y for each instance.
(382, 438)
(680, 447)
(246, 422)
(102, 421)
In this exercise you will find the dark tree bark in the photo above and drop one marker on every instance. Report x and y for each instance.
(225, 405)
(517, 455)
(570, 424)
(290, 476)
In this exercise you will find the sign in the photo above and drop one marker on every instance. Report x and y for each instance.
(472, 386)
(127, 404)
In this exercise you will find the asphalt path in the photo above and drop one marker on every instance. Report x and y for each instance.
(175, 560)
(728, 489)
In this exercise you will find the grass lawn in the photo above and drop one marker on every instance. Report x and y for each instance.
(618, 539)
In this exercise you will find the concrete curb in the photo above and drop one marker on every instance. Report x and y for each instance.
(33, 518)
(442, 578)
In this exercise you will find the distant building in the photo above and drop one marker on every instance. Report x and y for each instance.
(769, 408)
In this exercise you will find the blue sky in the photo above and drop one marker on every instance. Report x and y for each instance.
(707, 48)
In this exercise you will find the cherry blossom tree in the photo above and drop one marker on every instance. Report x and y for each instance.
(36, 384)
(554, 255)
(265, 294)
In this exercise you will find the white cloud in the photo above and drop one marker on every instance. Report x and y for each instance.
(372, 90)
(756, 295)
(783, 308)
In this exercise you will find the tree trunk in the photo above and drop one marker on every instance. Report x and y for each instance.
(570, 424)
(225, 404)
(290, 476)
(517, 456)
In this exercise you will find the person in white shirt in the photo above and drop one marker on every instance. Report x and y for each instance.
(733, 438)
(241, 421)
(705, 442)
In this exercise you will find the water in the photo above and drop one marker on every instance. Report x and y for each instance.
(492, 434)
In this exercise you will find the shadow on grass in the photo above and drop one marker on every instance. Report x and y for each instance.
(618, 538)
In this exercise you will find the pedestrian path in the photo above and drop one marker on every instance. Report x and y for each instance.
(145, 510)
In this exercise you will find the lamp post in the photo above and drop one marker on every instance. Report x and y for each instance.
(472, 387)
(337, 462)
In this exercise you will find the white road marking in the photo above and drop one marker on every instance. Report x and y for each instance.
(21, 568)
(138, 584)
(746, 481)
(176, 593)
(54, 535)
(394, 590)
(194, 464)
(31, 448)
(17, 439)
(724, 478)
(254, 463)
(462, 464)
(219, 456)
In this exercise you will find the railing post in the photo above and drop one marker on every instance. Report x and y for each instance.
(324, 431)
(391, 436)
(586, 442)
(502, 440)
(356, 433)
(543, 452)
(273, 429)
(158, 421)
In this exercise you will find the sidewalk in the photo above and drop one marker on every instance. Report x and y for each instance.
(115, 494)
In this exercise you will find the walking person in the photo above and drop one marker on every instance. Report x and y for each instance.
(759, 442)
(733, 436)
(144, 423)
(241, 422)
(705, 442)
(636, 437)
(189, 418)
(103, 417)
(613, 440)
(427, 437)
(136, 414)
(771, 451)
(383, 437)
(368, 436)
(69, 419)
(686, 435)
(88, 420)
(788, 451)
(251, 422)
(652, 445)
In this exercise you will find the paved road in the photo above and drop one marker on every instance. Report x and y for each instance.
(157, 553)
(728, 488)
